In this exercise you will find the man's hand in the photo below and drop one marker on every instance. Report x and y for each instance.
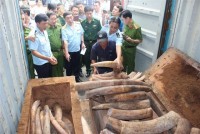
(31, 38)
(119, 64)
(82, 46)
(127, 38)
(67, 56)
(95, 71)
(53, 60)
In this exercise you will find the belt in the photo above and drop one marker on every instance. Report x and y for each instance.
(129, 46)
(56, 50)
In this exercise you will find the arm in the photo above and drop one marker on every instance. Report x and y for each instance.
(93, 58)
(66, 52)
(65, 45)
(133, 41)
(82, 42)
(95, 71)
(137, 38)
(82, 38)
(33, 47)
(118, 50)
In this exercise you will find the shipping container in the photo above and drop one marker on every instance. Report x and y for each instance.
(13, 66)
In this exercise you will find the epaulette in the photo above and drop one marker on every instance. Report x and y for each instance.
(136, 26)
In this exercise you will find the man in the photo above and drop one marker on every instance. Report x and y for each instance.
(97, 13)
(103, 50)
(116, 12)
(60, 12)
(29, 23)
(41, 50)
(72, 35)
(91, 27)
(55, 38)
(75, 13)
(132, 37)
(81, 10)
(52, 7)
(114, 34)
(105, 5)
(37, 9)
(27, 30)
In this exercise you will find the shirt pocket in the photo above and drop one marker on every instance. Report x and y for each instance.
(78, 30)
(94, 26)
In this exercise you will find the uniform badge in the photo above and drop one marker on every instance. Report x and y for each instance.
(100, 35)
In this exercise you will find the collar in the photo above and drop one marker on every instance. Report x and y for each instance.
(52, 27)
(37, 30)
(88, 21)
(132, 25)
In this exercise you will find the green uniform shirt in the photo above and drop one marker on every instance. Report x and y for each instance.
(91, 29)
(26, 33)
(61, 20)
(54, 34)
(134, 33)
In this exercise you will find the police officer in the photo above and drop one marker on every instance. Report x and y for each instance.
(27, 37)
(103, 50)
(72, 35)
(91, 27)
(41, 49)
(132, 37)
(55, 38)
(60, 12)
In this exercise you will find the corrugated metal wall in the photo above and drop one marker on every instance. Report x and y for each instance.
(13, 69)
(185, 31)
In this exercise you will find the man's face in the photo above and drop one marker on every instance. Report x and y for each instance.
(75, 11)
(69, 19)
(126, 20)
(88, 15)
(42, 25)
(60, 10)
(113, 27)
(103, 43)
(96, 6)
(39, 3)
(53, 20)
(115, 11)
(23, 19)
(81, 8)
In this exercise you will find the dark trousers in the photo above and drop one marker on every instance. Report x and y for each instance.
(86, 57)
(73, 66)
(44, 71)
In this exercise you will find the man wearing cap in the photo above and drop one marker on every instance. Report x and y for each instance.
(91, 27)
(103, 50)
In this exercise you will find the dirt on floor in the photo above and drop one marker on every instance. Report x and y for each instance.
(178, 86)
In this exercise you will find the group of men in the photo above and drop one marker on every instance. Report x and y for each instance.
(59, 37)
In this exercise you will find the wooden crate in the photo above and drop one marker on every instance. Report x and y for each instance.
(50, 91)
(175, 79)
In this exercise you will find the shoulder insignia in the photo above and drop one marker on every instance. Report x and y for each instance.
(136, 26)
(64, 26)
